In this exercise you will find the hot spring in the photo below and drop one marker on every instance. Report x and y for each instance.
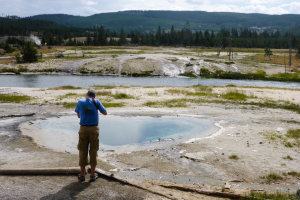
(118, 133)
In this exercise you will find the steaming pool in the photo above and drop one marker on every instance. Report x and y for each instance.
(120, 134)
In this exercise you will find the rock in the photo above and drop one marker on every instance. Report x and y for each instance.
(260, 142)
(227, 185)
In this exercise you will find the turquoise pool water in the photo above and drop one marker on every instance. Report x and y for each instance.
(115, 131)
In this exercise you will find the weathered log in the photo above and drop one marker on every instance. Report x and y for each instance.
(17, 115)
(108, 174)
(201, 191)
(169, 186)
(40, 171)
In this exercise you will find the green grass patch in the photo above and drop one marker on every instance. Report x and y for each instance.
(188, 74)
(122, 96)
(272, 136)
(234, 157)
(264, 196)
(209, 60)
(70, 95)
(67, 87)
(229, 63)
(112, 105)
(293, 173)
(3, 163)
(151, 103)
(175, 91)
(14, 98)
(105, 86)
(288, 144)
(142, 74)
(235, 95)
(168, 103)
(271, 177)
(291, 121)
(175, 103)
(288, 157)
(70, 105)
(293, 133)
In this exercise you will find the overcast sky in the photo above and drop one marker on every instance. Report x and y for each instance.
(25, 8)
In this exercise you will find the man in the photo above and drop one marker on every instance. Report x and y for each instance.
(87, 111)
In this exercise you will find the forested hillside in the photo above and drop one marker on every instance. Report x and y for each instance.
(25, 26)
(199, 20)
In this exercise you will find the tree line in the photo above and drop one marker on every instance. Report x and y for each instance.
(52, 33)
(242, 38)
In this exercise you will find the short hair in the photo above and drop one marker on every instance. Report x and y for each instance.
(91, 93)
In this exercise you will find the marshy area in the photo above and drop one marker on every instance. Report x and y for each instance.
(252, 151)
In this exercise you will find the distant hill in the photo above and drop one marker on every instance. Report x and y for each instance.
(198, 20)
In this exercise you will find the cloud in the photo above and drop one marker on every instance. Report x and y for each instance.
(295, 7)
(89, 7)
(194, 1)
(88, 2)
(263, 9)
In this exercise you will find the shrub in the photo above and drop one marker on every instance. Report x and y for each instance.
(204, 72)
(273, 177)
(29, 52)
(234, 157)
(8, 48)
(122, 96)
(288, 157)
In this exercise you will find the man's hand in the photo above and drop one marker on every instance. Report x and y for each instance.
(78, 115)
(105, 113)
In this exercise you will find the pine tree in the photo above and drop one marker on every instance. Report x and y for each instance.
(268, 52)
(136, 38)
(158, 35)
(95, 40)
(102, 39)
(88, 40)
(122, 39)
(29, 52)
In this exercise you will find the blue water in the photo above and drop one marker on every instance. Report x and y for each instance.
(44, 81)
(62, 133)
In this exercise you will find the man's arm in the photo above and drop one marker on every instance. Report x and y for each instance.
(101, 108)
(78, 115)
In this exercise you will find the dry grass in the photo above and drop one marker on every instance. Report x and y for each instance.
(67, 87)
(275, 59)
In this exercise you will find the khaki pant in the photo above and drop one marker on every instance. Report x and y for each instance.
(88, 142)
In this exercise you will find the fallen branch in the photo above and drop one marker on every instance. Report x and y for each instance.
(40, 171)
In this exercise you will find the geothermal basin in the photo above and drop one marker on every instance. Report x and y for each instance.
(118, 133)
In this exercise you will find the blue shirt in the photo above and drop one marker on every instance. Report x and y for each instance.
(88, 111)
